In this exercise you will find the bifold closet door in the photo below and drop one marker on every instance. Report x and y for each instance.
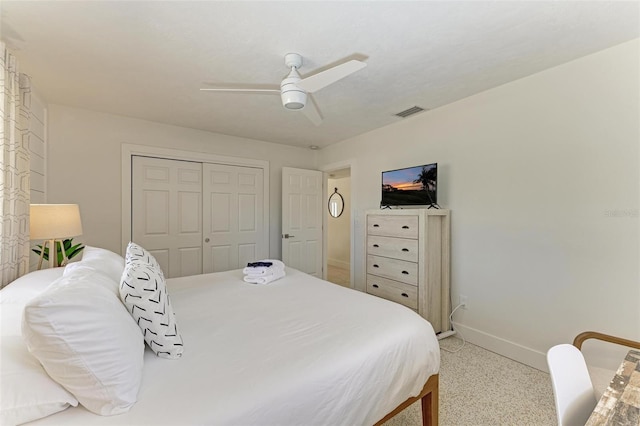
(167, 212)
(233, 198)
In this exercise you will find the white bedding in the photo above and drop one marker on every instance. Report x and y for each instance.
(296, 351)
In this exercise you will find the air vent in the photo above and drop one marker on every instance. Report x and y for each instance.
(410, 111)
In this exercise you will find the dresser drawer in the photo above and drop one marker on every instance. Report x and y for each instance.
(404, 294)
(399, 270)
(393, 226)
(397, 248)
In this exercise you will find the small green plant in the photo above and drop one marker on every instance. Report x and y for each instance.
(70, 250)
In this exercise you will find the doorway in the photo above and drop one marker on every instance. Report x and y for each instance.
(339, 228)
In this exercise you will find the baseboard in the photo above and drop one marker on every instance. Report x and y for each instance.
(514, 351)
(338, 263)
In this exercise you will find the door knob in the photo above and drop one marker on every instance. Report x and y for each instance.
(288, 236)
(206, 240)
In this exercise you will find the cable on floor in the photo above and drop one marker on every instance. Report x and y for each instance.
(457, 331)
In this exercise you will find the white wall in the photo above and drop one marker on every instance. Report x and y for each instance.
(542, 177)
(339, 228)
(85, 161)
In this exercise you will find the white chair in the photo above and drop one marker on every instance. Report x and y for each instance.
(572, 387)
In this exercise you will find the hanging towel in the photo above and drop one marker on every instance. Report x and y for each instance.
(265, 279)
(261, 271)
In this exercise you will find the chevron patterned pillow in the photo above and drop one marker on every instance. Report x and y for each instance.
(143, 291)
(137, 254)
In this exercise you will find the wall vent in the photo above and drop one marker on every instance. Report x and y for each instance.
(410, 111)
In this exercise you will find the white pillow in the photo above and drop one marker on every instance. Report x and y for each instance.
(29, 285)
(102, 260)
(28, 393)
(143, 291)
(86, 340)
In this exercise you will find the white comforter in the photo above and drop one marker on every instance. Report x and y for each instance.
(298, 351)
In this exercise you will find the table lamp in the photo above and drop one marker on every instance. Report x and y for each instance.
(53, 223)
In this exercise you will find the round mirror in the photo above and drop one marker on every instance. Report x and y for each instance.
(336, 204)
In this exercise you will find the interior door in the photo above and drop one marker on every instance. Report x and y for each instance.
(233, 211)
(167, 212)
(302, 210)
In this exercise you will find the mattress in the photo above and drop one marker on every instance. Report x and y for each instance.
(296, 351)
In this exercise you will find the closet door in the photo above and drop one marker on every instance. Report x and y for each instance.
(233, 210)
(167, 212)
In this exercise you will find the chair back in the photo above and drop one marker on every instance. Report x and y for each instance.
(572, 387)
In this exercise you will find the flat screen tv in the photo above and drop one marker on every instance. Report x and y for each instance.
(412, 186)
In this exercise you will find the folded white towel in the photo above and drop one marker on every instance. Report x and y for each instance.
(260, 271)
(266, 279)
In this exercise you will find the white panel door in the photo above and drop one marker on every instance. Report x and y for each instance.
(233, 201)
(167, 213)
(302, 210)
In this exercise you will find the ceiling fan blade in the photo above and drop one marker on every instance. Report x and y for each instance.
(323, 79)
(312, 112)
(242, 88)
(231, 90)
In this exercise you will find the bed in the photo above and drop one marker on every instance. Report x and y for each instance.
(296, 351)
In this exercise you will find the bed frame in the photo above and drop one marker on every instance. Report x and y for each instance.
(429, 396)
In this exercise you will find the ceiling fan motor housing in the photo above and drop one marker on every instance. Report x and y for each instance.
(292, 96)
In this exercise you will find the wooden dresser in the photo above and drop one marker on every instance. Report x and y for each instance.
(408, 260)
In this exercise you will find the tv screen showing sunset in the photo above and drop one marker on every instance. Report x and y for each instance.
(410, 186)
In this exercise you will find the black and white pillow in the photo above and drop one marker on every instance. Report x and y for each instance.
(138, 254)
(143, 291)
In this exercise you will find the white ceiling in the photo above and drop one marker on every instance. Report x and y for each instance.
(148, 59)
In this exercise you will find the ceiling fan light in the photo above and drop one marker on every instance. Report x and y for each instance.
(294, 99)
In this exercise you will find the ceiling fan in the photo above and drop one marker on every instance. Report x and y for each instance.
(295, 91)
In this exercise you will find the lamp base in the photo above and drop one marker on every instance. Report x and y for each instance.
(53, 254)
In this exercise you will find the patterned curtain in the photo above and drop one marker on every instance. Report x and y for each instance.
(15, 103)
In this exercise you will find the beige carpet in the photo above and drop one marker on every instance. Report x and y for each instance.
(479, 388)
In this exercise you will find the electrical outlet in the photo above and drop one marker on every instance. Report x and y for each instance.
(463, 301)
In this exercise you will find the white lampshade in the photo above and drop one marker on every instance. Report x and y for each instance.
(54, 221)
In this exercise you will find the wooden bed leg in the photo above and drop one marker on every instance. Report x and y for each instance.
(430, 406)
(429, 400)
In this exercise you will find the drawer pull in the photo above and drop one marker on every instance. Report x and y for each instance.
(375, 266)
(405, 227)
(405, 295)
(375, 225)
(405, 249)
(405, 272)
(376, 246)
(375, 286)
